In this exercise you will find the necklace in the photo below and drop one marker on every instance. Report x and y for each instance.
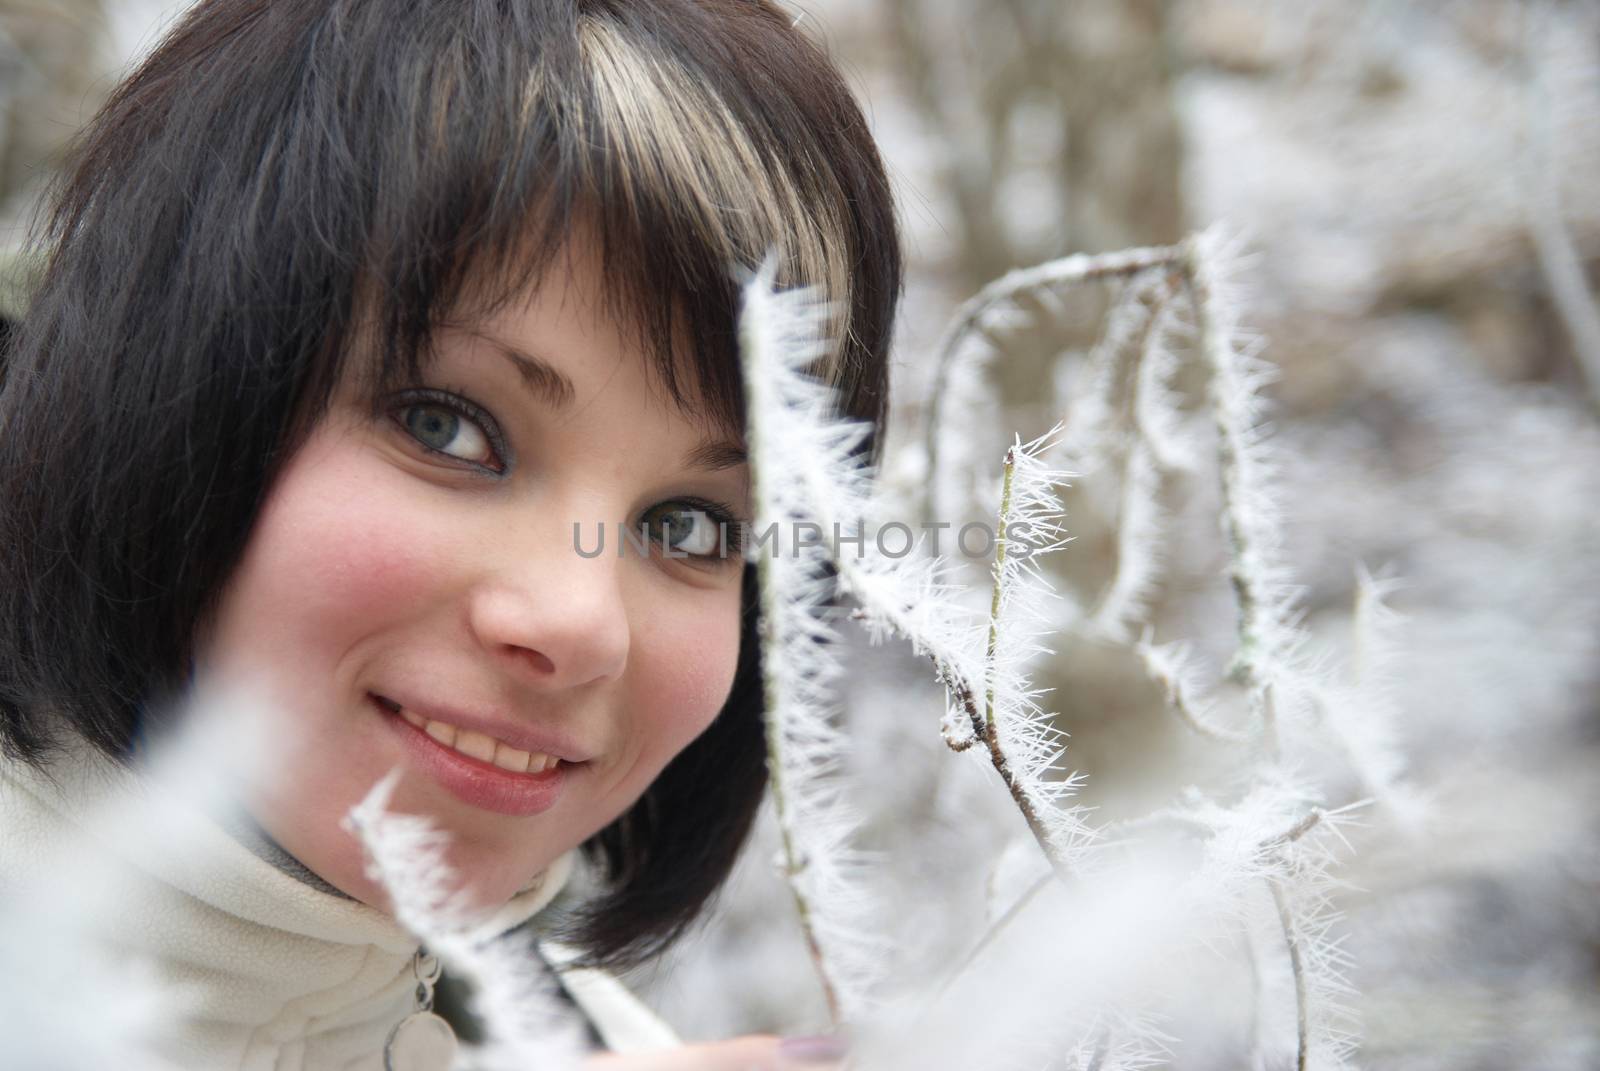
(422, 1041)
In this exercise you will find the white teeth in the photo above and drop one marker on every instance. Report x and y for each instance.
(509, 758)
(479, 745)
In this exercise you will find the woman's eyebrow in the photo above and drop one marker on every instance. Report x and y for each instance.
(554, 387)
(716, 456)
(541, 377)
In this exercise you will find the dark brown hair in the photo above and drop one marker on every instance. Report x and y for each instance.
(278, 171)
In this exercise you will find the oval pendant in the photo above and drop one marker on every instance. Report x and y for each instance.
(422, 1041)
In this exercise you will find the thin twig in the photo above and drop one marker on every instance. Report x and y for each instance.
(965, 696)
(1127, 332)
(1309, 821)
(993, 932)
(1558, 255)
(1039, 884)
(983, 722)
(1258, 1053)
(1306, 824)
(1217, 350)
(1177, 696)
(998, 590)
(1102, 1046)
(794, 864)
(1178, 703)
(1151, 385)
(1140, 522)
(1067, 271)
(1140, 490)
(1292, 939)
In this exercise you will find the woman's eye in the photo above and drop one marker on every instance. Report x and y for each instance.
(689, 530)
(447, 428)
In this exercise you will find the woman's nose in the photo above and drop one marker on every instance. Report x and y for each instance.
(557, 622)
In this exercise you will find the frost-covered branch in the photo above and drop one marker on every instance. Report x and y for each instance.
(1558, 255)
(1171, 666)
(1089, 436)
(803, 458)
(1316, 963)
(995, 306)
(1373, 624)
(1023, 746)
(997, 928)
(795, 430)
(1129, 413)
(1256, 837)
(1140, 533)
(1278, 890)
(1249, 513)
(525, 1023)
(1287, 690)
(1292, 939)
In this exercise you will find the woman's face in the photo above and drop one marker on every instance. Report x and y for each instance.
(411, 595)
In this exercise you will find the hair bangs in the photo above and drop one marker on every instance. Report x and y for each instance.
(636, 137)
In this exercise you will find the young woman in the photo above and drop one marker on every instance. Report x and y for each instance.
(353, 310)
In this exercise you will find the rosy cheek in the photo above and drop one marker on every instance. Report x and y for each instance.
(322, 567)
(691, 670)
(359, 567)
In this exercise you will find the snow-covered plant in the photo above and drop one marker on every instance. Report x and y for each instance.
(806, 469)
(514, 996)
(92, 1000)
(792, 430)
(1266, 833)
(1024, 745)
(78, 993)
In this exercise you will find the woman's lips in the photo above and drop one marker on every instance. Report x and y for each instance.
(473, 781)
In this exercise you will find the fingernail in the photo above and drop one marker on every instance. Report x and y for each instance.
(813, 1048)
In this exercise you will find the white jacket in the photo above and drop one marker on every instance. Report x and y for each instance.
(271, 972)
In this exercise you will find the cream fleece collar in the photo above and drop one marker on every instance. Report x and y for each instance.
(273, 972)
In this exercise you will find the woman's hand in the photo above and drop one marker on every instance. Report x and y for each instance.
(755, 1053)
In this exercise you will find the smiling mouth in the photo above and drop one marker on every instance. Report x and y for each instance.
(474, 745)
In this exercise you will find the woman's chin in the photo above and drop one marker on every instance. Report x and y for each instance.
(479, 895)
(489, 887)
